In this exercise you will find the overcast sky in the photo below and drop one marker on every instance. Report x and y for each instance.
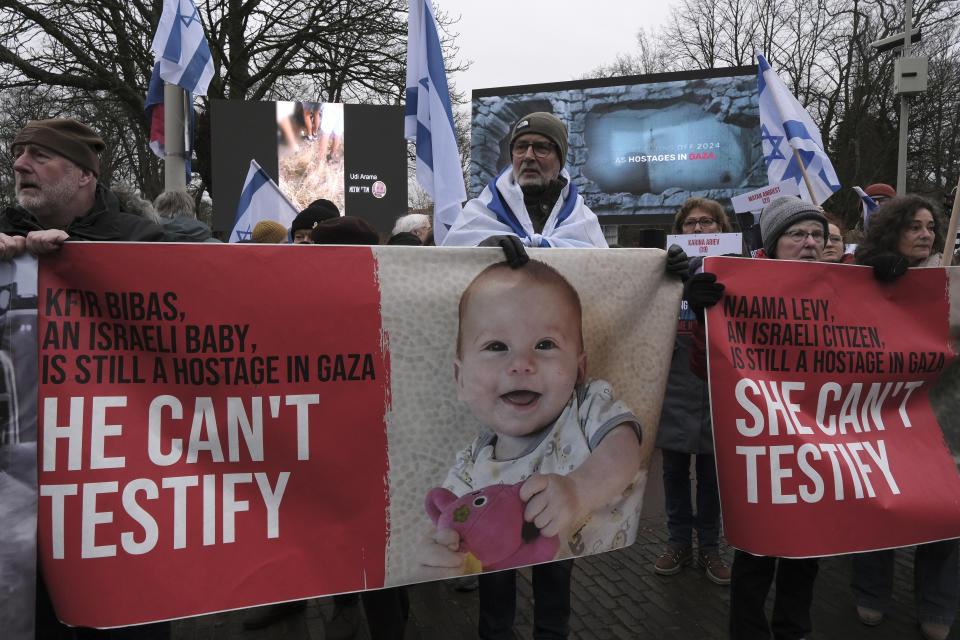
(532, 41)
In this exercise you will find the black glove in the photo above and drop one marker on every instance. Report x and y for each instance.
(702, 291)
(513, 250)
(888, 267)
(678, 264)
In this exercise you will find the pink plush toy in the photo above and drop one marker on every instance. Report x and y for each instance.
(491, 526)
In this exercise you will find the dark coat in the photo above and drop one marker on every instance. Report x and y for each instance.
(105, 221)
(188, 229)
(685, 419)
(685, 424)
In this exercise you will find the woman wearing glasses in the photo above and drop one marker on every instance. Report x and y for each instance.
(700, 215)
(835, 249)
(684, 431)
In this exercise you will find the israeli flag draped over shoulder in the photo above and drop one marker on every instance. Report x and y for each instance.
(182, 47)
(785, 125)
(428, 120)
(500, 210)
(261, 199)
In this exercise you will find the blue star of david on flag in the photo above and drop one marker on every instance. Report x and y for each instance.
(181, 47)
(774, 142)
(188, 20)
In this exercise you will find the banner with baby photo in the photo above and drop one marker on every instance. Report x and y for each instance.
(241, 425)
(835, 406)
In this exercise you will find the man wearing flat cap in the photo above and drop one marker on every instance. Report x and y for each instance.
(56, 167)
(533, 199)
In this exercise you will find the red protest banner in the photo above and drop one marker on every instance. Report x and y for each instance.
(820, 381)
(208, 450)
(280, 427)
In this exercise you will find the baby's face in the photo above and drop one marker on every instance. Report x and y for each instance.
(521, 355)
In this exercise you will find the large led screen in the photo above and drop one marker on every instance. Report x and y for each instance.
(639, 144)
(353, 155)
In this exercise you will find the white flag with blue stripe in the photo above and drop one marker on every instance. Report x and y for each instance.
(869, 205)
(429, 120)
(785, 125)
(182, 48)
(261, 199)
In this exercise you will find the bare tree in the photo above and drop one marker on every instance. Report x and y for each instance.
(96, 53)
(652, 56)
(821, 50)
(693, 30)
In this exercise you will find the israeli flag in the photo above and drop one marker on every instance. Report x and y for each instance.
(182, 48)
(154, 111)
(429, 120)
(261, 199)
(784, 126)
(869, 206)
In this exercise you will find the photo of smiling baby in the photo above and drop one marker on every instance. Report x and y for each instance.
(553, 474)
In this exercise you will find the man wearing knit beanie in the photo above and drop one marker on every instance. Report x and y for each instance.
(269, 232)
(792, 229)
(56, 166)
(531, 203)
(533, 199)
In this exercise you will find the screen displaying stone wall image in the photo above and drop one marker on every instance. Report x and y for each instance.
(640, 144)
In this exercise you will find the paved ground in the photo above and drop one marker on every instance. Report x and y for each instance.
(616, 596)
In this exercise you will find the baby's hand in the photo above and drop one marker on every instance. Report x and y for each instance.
(553, 503)
(437, 556)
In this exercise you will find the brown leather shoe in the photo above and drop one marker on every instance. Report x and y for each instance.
(868, 616)
(934, 631)
(672, 560)
(716, 569)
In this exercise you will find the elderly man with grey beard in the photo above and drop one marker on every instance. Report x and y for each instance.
(56, 170)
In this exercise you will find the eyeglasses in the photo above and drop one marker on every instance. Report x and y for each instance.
(835, 239)
(540, 149)
(690, 223)
(799, 235)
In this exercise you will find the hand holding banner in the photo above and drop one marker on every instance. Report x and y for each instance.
(822, 417)
(232, 444)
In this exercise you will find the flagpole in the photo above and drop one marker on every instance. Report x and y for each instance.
(951, 239)
(173, 123)
(806, 180)
(904, 105)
